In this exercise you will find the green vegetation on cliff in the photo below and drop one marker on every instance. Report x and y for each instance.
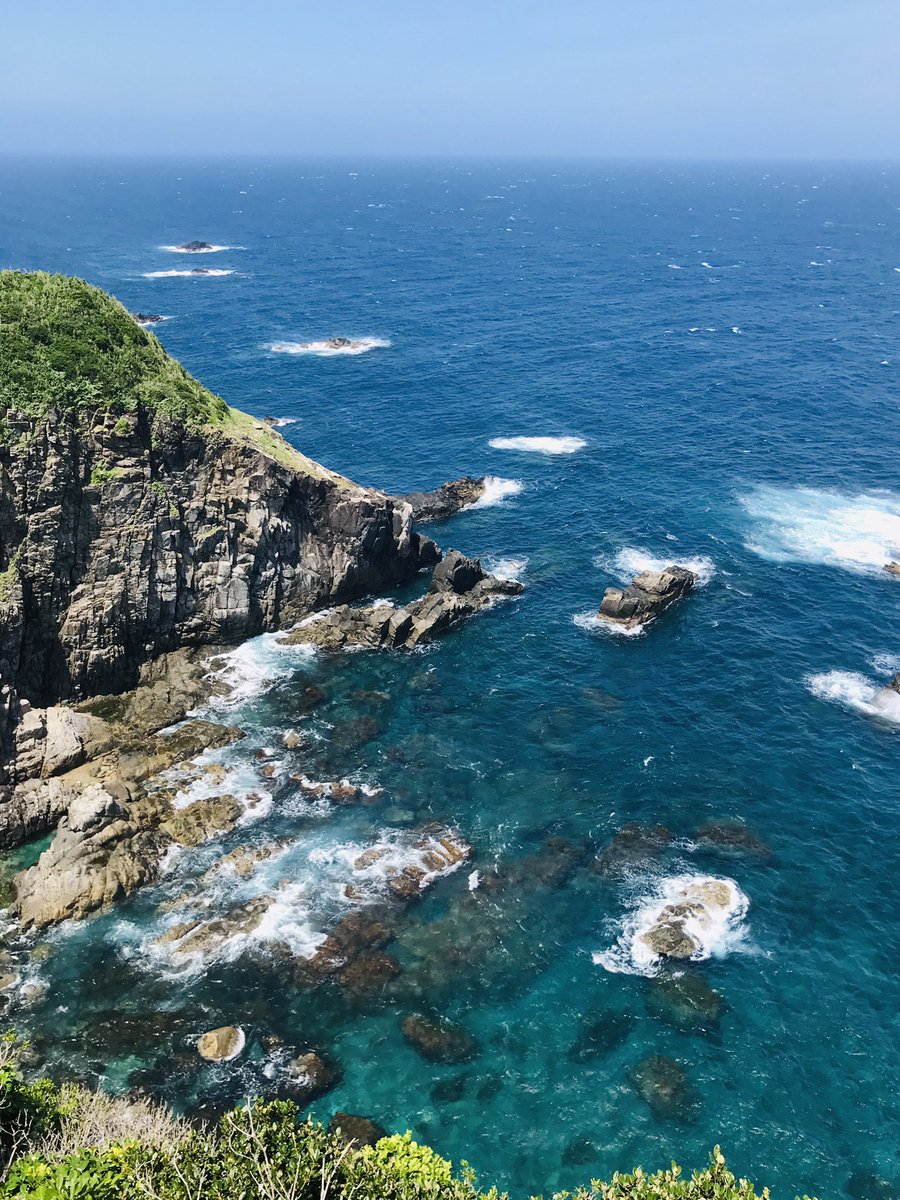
(69, 346)
(70, 1144)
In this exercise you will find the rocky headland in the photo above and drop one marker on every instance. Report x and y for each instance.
(145, 525)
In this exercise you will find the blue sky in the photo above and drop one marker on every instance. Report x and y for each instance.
(636, 78)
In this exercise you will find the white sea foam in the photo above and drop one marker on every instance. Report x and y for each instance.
(632, 560)
(280, 422)
(857, 532)
(192, 274)
(886, 664)
(539, 445)
(857, 692)
(505, 568)
(497, 490)
(716, 929)
(254, 666)
(327, 349)
(211, 249)
(298, 893)
(593, 623)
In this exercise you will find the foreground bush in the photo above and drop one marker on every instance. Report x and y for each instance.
(70, 1144)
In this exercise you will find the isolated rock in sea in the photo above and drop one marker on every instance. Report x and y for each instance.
(311, 1075)
(156, 517)
(648, 594)
(143, 318)
(354, 1130)
(601, 1034)
(685, 1000)
(892, 568)
(195, 247)
(676, 932)
(663, 1084)
(459, 587)
(439, 1040)
(446, 500)
(221, 1045)
(631, 848)
(730, 838)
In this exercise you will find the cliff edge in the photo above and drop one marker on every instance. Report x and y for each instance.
(139, 514)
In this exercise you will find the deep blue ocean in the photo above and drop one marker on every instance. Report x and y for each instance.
(723, 341)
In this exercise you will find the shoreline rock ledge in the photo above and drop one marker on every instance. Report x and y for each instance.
(648, 595)
(447, 500)
(459, 587)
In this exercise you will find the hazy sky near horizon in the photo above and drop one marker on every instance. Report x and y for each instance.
(636, 78)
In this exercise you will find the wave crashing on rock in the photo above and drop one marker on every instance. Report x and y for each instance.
(687, 917)
(330, 347)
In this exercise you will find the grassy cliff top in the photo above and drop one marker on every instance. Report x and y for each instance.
(69, 346)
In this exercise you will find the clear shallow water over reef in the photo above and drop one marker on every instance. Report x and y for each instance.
(724, 344)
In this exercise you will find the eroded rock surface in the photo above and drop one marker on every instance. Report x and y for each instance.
(131, 537)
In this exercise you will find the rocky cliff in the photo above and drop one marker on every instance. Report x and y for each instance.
(140, 514)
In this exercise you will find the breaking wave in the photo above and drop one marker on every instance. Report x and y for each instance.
(253, 667)
(496, 490)
(194, 273)
(632, 560)
(539, 445)
(858, 532)
(593, 623)
(858, 693)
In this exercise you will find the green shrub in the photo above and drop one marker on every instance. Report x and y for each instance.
(71, 1144)
(70, 346)
(101, 475)
(83, 1176)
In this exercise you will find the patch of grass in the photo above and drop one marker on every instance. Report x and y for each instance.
(101, 475)
(9, 578)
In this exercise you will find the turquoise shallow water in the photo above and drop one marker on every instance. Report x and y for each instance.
(724, 343)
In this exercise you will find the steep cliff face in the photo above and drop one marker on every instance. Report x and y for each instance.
(139, 514)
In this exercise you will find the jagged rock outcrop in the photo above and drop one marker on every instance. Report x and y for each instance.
(153, 517)
(648, 594)
(446, 500)
(459, 587)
